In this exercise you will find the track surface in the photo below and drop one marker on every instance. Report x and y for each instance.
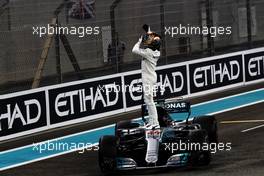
(245, 158)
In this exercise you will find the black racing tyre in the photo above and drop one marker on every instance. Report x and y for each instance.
(209, 124)
(199, 157)
(125, 124)
(198, 136)
(107, 154)
(202, 158)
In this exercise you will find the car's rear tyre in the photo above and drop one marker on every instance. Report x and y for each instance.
(209, 124)
(107, 154)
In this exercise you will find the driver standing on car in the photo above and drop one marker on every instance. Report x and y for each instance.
(150, 53)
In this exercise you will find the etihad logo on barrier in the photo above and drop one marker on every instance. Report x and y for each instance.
(216, 73)
(256, 66)
(66, 103)
(20, 114)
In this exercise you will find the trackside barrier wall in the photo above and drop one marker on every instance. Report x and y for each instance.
(49, 107)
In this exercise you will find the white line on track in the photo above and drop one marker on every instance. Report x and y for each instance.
(253, 128)
(241, 121)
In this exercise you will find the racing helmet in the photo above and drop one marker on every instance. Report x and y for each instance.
(151, 39)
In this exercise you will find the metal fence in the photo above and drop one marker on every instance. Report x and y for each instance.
(70, 57)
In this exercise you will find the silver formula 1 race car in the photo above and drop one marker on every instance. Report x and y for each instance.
(176, 143)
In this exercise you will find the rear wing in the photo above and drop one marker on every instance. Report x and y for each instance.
(171, 106)
(177, 107)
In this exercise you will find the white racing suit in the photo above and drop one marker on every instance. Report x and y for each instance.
(149, 78)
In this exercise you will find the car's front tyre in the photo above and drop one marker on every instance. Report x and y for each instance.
(107, 154)
(200, 157)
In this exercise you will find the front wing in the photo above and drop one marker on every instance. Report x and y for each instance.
(177, 160)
